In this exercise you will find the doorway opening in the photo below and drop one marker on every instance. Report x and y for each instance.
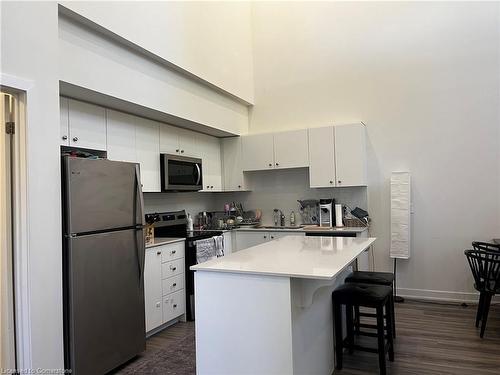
(12, 205)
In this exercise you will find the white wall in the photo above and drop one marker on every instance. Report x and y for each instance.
(29, 51)
(424, 77)
(119, 72)
(211, 40)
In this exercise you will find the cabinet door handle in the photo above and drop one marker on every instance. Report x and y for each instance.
(339, 181)
(174, 284)
(64, 137)
(277, 163)
(173, 268)
(173, 252)
(272, 237)
(177, 150)
(331, 181)
(158, 253)
(211, 187)
(75, 139)
(270, 165)
(182, 151)
(239, 186)
(175, 305)
(265, 236)
(158, 304)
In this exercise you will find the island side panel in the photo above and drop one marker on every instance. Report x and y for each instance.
(312, 324)
(243, 324)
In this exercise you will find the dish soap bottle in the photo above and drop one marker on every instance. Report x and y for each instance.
(292, 218)
(190, 222)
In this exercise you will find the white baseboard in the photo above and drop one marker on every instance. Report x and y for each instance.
(439, 295)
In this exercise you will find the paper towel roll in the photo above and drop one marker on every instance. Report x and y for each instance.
(338, 215)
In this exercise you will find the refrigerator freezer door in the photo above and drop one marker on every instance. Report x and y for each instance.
(101, 195)
(105, 324)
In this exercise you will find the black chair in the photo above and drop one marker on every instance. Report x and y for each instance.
(485, 267)
(487, 246)
(355, 295)
(376, 278)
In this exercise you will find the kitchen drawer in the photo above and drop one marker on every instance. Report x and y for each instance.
(173, 305)
(172, 268)
(172, 284)
(172, 251)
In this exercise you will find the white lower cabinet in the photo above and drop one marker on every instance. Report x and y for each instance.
(174, 305)
(228, 242)
(164, 280)
(153, 288)
(246, 239)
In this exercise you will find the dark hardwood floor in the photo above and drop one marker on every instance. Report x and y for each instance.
(432, 338)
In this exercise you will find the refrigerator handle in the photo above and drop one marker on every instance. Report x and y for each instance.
(139, 195)
(140, 247)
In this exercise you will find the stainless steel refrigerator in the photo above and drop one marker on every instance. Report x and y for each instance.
(103, 264)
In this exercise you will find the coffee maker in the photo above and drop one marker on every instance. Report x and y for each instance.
(326, 213)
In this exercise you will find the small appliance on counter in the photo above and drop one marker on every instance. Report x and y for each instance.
(174, 224)
(326, 215)
(308, 210)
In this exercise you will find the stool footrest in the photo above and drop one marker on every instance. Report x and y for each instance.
(369, 315)
(365, 325)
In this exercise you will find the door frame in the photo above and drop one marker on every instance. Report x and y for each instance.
(22, 312)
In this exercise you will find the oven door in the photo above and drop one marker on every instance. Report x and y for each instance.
(181, 173)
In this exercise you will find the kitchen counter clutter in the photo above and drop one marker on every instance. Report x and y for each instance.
(274, 302)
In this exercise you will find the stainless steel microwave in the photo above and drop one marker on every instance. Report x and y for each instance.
(180, 173)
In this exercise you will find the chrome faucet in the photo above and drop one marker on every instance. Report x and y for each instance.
(278, 216)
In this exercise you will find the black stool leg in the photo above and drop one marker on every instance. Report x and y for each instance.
(479, 309)
(381, 339)
(350, 328)
(393, 313)
(357, 319)
(337, 319)
(389, 319)
(486, 309)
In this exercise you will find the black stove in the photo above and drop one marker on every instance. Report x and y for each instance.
(174, 224)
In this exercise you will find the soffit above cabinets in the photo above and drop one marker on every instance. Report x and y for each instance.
(82, 94)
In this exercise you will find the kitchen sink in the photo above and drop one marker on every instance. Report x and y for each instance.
(276, 227)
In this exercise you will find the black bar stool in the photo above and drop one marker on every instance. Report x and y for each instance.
(376, 278)
(355, 295)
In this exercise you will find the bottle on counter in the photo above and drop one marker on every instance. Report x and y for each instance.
(292, 218)
(189, 222)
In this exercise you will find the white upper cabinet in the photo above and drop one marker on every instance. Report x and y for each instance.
(350, 155)
(87, 125)
(211, 162)
(121, 136)
(64, 120)
(258, 152)
(234, 178)
(322, 157)
(177, 141)
(291, 149)
(188, 142)
(147, 136)
(279, 150)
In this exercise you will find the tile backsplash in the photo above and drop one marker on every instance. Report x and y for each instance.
(269, 189)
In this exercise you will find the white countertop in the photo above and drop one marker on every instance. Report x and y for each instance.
(164, 241)
(293, 256)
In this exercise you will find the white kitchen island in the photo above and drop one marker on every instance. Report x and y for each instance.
(267, 309)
